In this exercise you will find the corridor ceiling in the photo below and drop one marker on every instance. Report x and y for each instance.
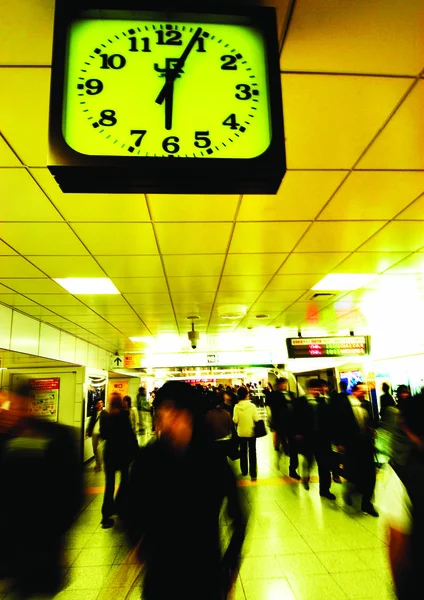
(352, 200)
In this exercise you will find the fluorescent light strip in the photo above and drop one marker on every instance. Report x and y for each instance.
(86, 285)
(337, 282)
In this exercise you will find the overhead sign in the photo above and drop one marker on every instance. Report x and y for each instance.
(328, 346)
(116, 362)
(132, 361)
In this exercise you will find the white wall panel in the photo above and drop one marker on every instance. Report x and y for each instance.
(25, 334)
(92, 356)
(67, 347)
(81, 352)
(49, 341)
(5, 326)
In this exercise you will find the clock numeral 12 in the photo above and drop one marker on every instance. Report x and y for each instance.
(114, 61)
(134, 44)
(173, 38)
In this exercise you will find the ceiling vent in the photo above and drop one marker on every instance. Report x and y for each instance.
(321, 296)
(193, 317)
(262, 316)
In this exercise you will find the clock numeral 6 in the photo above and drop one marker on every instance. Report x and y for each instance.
(170, 144)
(245, 94)
(94, 86)
(141, 133)
(107, 118)
(229, 63)
(114, 61)
(202, 139)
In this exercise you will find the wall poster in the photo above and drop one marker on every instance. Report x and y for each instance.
(44, 402)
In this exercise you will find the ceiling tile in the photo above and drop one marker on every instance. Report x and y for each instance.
(15, 299)
(311, 262)
(280, 296)
(239, 297)
(72, 311)
(376, 37)
(93, 207)
(67, 266)
(251, 283)
(134, 266)
(10, 266)
(153, 310)
(16, 187)
(192, 208)
(266, 237)
(412, 264)
(100, 238)
(369, 262)
(415, 211)
(193, 265)
(293, 282)
(131, 318)
(193, 238)
(18, 117)
(107, 311)
(400, 145)
(140, 284)
(195, 297)
(55, 299)
(34, 286)
(102, 300)
(401, 236)
(43, 238)
(356, 106)
(147, 299)
(343, 236)
(5, 250)
(253, 264)
(7, 157)
(374, 195)
(301, 196)
(193, 284)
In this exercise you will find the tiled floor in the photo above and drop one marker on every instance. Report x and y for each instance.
(298, 546)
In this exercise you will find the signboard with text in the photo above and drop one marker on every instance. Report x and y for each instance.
(44, 398)
(358, 345)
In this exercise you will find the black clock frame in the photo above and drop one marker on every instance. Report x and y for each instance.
(80, 173)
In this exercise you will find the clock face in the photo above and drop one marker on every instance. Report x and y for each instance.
(160, 88)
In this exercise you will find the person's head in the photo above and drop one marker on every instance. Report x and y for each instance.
(313, 387)
(360, 391)
(412, 419)
(115, 403)
(126, 401)
(243, 393)
(386, 388)
(227, 398)
(403, 392)
(281, 384)
(142, 391)
(343, 386)
(177, 410)
(323, 387)
(99, 405)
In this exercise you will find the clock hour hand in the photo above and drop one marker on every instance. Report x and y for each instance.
(172, 74)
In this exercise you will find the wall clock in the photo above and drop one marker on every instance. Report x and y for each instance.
(170, 101)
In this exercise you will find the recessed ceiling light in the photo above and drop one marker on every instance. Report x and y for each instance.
(343, 281)
(86, 285)
(193, 317)
(231, 311)
(262, 316)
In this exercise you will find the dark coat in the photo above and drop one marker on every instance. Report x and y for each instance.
(174, 508)
(311, 424)
(282, 413)
(120, 441)
(93, 421)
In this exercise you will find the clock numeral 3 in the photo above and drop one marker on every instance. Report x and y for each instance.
(245, 94)
(141, 133)
(170, 144)
(107, 118)
(231, 122)
(94, 86)
(114, 61)
(134, 44)
(202, 139)
(229, 63)
(173, 38)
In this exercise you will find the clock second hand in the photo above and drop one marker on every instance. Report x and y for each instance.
(167, 92)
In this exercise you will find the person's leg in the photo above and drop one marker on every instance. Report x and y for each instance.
(108, 506)
(122, 493)
(322, 452)
(307, 462)
(252, 458)
(243, 455)
(95, 440)
(294, 459)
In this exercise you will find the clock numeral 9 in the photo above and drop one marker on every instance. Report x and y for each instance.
(170, 144)
(229, 63)
(245, 94)
(202, 139)
(134, 44)
(173, 38)
(94, 86)
(114, 61)
(108, 118)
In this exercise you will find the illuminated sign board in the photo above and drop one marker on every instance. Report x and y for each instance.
(358, 345)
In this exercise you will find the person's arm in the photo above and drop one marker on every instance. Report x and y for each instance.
(235, 415)
(399, 555)
(255, 414)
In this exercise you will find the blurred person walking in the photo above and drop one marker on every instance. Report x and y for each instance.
(127, 402)
(120, 449)
(93, 432)
(177, 488)
(281, 404)
(144, 412)
(41, 494)
(245, 416)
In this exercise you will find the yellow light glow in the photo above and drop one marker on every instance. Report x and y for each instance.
(343, 281)
(88, 285)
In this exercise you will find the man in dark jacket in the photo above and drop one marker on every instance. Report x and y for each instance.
(281, 403)
(177, 487)
(354, 436)
(313, 433)
(93, 432)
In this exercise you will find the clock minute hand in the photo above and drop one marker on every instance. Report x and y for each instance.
(173, 73)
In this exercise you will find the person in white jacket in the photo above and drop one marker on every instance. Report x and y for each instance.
(245, 417)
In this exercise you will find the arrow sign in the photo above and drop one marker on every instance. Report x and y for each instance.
(117, 361)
